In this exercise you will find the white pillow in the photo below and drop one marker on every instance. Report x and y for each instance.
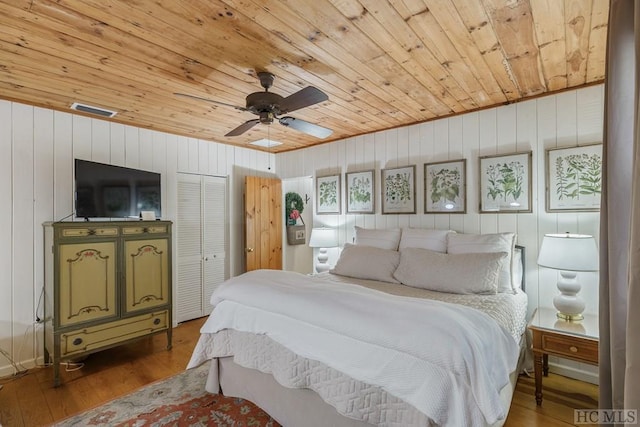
(518, 271)
(367, 262)
(471, 273)
(383, 239)
(435, 240)
(482, 243)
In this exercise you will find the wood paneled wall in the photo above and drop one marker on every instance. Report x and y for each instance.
(563, 120)
(36, 185)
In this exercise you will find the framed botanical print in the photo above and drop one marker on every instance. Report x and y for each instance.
(445, 189)
(505, 183)
(574, 178)
(328, 194)
(399, 190)
(360, 192)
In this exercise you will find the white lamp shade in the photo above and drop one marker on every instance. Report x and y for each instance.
(569, 252)
(323, 237)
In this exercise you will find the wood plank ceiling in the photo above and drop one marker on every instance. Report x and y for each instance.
(383, 64)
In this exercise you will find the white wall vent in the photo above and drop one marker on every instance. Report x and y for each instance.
(92, 110)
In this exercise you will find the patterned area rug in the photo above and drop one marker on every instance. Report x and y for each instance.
(177, 401)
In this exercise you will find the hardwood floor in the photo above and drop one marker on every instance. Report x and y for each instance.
(31, 400)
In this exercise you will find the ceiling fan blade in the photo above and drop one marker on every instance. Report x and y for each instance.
(302, 98)
(243, 127)
(211, 100)
(306, 127)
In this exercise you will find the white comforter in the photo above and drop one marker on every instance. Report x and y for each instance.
(448, 361)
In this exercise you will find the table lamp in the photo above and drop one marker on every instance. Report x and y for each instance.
(323, 238)
(569, 253)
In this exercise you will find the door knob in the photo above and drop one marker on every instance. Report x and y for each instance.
(249, 249)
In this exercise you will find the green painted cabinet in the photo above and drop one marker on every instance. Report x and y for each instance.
(106, 283)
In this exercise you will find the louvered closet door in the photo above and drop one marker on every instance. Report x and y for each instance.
(215, 239)
(202, 239)
(189, 292)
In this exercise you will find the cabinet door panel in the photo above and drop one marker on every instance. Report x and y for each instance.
(87, 282)
(147, 273)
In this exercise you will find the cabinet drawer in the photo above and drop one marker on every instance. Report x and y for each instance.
(89, 231)
(574, 348)
(96, 337)
(142, 229)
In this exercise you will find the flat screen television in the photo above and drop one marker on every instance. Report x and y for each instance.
(106, 191)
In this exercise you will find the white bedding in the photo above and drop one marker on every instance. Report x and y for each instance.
(508, 309)
(451, 379)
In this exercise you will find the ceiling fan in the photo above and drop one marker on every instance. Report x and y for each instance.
(268, 106)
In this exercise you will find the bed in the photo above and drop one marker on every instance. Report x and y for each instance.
(380, 340)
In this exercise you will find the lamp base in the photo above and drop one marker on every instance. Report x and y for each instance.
(321, 268)
(568, 303)
(322, 264)
(570, 317)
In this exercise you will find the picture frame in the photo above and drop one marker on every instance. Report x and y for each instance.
(573, 178)
(399, 190)
(328, 194)
(445, 187)
(505, 183)
(360, 189)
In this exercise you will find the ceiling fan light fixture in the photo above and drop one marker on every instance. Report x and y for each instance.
(266, 143)
(266, 117)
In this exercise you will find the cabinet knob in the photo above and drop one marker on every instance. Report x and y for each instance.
(249, 249)
(573, 349)
(77, 341)
(156, 321)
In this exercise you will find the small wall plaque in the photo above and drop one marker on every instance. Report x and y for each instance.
(296, 235)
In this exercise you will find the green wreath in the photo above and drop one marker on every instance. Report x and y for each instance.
(292, 202)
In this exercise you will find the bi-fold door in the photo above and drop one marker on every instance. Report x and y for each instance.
(202, 243)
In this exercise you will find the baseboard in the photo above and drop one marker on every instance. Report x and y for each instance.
(7, 371)
(575, 373)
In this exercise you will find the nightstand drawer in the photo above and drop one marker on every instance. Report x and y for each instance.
(574, 348)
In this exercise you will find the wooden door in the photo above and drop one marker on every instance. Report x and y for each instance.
(263, 223)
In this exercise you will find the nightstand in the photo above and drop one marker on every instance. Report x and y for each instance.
(577, 341)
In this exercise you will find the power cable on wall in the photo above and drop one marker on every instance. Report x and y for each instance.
(17, 373)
